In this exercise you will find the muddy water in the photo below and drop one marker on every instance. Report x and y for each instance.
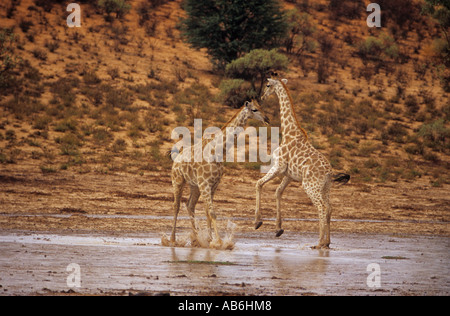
(258, 265)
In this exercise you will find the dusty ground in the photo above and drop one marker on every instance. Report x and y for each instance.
(38, 211)
(73, 202)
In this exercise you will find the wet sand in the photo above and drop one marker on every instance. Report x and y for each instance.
(35, 264)
(112, 227)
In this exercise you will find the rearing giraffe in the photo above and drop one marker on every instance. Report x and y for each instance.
(204, 177)
(297, 160)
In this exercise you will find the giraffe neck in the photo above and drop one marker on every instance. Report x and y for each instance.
(239, 120)
(290, 127)
(235, 127)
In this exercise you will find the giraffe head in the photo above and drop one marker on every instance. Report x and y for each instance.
(271, 87)
(254, 111)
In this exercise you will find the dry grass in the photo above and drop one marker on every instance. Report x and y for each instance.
(105, 97)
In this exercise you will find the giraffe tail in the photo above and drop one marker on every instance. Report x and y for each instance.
(341, 178)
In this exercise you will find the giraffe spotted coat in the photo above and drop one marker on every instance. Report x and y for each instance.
(297, 160)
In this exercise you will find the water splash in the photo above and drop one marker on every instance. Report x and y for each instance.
(201, 238)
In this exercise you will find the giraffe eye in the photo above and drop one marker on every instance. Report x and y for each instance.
(254, 111)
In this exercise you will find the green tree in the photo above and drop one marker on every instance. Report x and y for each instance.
(234, 92)
(256, 67)
(230, 28)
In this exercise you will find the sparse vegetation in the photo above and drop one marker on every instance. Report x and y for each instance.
(215, 26)
(378, 48)
(119, 7)
(256, 66)
(364, 97)
(8, 60)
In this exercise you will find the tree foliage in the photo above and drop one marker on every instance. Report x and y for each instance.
(378, 49)
(256, 67)
(440, 11)
(119, 7)
(230, 28)
(301, 28)
(234, 92)
(8, 60)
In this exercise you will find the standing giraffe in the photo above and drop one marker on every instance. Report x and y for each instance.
(204, 177)
(297, 160)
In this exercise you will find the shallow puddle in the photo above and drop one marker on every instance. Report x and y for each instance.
(258, 265)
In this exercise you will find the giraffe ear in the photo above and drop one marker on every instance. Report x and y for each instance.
(285, 81)
(246, 104)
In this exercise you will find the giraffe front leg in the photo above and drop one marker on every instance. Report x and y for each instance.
(213, 219)
(178, 191)
(259, 185)
(279, 194)
(258, 221)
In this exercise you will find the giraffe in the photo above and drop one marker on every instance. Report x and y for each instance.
(204, 177)
(297, 160)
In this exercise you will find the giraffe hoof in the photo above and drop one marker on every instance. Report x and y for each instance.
(258, 225)
(279, 233)
(321, 247)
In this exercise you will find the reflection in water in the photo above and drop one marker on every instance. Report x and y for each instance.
(306, 271)
(267, 268)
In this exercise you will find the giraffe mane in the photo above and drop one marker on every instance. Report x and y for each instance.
(232, 119)
(206, 141)
(292, 108)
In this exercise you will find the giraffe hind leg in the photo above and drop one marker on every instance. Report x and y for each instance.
(328, 210)
(320, 201)
(193, 199)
